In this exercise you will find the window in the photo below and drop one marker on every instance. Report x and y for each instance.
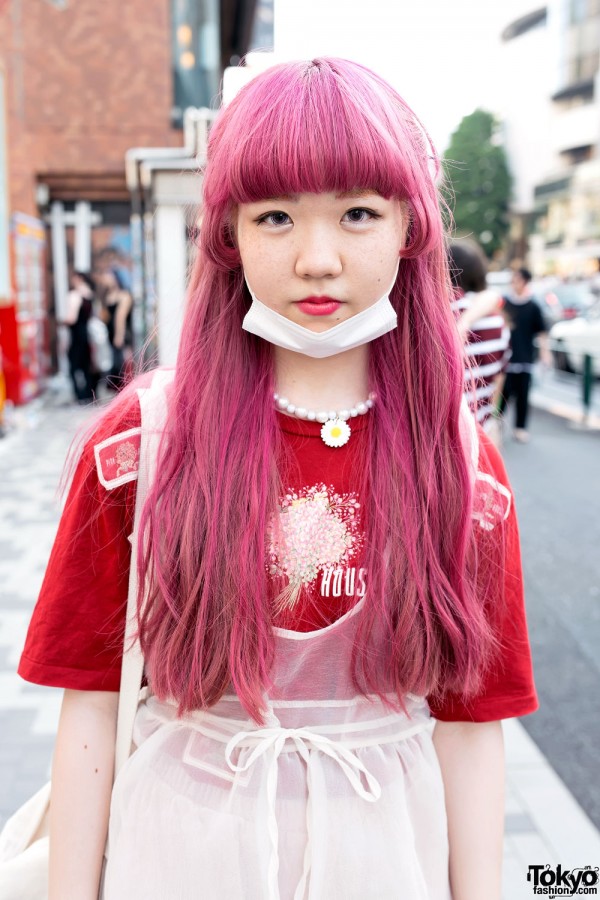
(262, 32)
(196, 55)
(577, 155)
(577, 11)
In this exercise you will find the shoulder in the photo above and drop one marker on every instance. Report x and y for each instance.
(490, 460)
(112, 446)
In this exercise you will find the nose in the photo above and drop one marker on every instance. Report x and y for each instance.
(318, 255)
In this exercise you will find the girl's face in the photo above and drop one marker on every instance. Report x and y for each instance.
(319, 259)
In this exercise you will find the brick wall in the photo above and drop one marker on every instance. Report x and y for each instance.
(84, 84)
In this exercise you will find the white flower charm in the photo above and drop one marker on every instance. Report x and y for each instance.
(335, 433)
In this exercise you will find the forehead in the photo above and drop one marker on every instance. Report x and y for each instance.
(319, 197)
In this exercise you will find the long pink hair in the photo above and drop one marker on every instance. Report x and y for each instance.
(324, 125)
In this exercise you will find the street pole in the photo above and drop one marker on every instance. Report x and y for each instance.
(587, 387)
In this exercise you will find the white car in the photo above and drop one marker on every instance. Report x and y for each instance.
(571, 339)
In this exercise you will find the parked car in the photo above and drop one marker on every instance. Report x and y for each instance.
(572, 338)
(558, 299)
(566, 300)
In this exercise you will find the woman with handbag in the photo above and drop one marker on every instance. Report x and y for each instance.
(330, 603)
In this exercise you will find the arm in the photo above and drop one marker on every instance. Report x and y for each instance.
(471, 756)
(544, 346)
(82, 776)
(123, 309)
(542, 338)
(485, 303)
(73, 307)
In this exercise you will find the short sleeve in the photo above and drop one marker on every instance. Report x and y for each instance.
(76, 632)
(508, 688)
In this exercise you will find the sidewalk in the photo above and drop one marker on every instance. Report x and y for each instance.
(562, 395)
(544, 824)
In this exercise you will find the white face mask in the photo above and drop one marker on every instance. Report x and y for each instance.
(360, 329)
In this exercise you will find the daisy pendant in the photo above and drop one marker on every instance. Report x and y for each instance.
(335, 433)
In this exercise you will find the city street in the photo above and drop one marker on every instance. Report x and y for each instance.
(556, 479)
(557, 485)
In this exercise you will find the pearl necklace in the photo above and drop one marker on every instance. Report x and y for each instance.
(335, 431)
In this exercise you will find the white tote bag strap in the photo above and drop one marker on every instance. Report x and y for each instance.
(153, 407)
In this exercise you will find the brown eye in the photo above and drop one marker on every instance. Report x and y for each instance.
(360, 214)
(275, 218)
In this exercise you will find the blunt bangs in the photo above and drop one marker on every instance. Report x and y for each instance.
(314, 127)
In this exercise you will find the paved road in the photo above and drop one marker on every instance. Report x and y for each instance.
(556, 479)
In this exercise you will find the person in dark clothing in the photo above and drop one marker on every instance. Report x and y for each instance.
(79, 310)
(117, 304)
(526, 322)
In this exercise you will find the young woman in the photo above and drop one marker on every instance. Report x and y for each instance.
(79, 310)
(333, 622)
(117, 304)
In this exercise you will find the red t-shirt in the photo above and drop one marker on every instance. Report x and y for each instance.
(313, 557)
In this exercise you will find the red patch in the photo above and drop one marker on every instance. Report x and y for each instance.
(117, 458)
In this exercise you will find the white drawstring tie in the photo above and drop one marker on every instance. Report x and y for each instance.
(274, 739)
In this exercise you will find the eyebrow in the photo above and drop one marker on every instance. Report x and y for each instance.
(356, 192)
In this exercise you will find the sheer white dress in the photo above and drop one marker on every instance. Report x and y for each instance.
(336, 796)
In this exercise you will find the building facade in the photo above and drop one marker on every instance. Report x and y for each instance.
(553, 135)
(81, 83)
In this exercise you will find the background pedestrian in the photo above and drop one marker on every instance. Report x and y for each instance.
(79, 310)
(483, 329)
(117, 304)
(526, 323)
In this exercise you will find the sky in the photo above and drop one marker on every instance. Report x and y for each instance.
(443, 56)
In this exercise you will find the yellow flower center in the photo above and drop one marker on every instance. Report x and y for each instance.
(336, 431)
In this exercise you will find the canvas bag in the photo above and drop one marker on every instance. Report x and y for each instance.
(24, 839)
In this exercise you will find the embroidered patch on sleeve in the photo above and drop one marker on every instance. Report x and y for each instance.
(117, 458)
(491, 501)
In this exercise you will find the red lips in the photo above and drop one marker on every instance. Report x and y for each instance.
(319, 306)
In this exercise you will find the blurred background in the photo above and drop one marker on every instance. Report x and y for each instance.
(105, 110)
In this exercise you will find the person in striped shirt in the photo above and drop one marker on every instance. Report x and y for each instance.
(482, 326)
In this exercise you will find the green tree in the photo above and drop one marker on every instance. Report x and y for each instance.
(478, 181)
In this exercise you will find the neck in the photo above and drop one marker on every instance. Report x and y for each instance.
(336, 382)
